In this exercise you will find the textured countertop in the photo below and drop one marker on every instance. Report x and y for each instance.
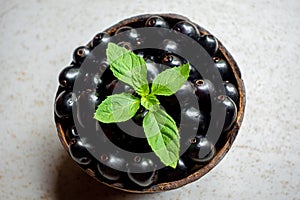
(36, 42)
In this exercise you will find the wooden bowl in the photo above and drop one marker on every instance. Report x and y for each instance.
(228, 137)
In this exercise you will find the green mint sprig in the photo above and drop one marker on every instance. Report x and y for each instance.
(159, 127)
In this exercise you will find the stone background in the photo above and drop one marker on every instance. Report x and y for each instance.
(37, 39)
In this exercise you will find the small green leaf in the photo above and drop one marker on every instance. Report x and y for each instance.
(162, 135)
(174, 164)
(128, 67)
(149, 101)
(117, 108)
(169, 81)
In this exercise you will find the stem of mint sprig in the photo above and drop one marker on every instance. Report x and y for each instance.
(159, 127)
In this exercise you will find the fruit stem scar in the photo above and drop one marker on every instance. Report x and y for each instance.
(199, 82)
(80, 52)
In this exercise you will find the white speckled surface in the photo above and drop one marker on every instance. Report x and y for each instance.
(36, 42)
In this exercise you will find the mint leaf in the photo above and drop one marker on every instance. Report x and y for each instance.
(160, 129)
(128, 67)
(149, 102)
(117, 108)
(169, 81)
(162, 135)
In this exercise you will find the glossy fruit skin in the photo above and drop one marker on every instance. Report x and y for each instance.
(194, 74)
(154, 55)
(78, 151)
(71, 133)
(80, 54)
(170, 46)
(231, 91)
(64, 104)
(170, 174)
(185, 94)
(171, 49)
(141, 171)
(157, 21)
(110, 165)
(100, 38)
(119, 87)
(201, 150)
(209, 43)
(139, 116)
(131, 37)
(205, 91)
(193, 122)
(187, 28)
(181, 169)
(223, 68)
(152, 70)
(230, 109)
(195, 118)
(139, 52)
(181, 165)
(68, 76)
(171, 105)
(190, 115)
(86, 106)
(172, 60)
(123, 29)
(126, 45)
(88, 81)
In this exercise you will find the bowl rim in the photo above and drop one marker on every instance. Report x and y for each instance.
(231, 134)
